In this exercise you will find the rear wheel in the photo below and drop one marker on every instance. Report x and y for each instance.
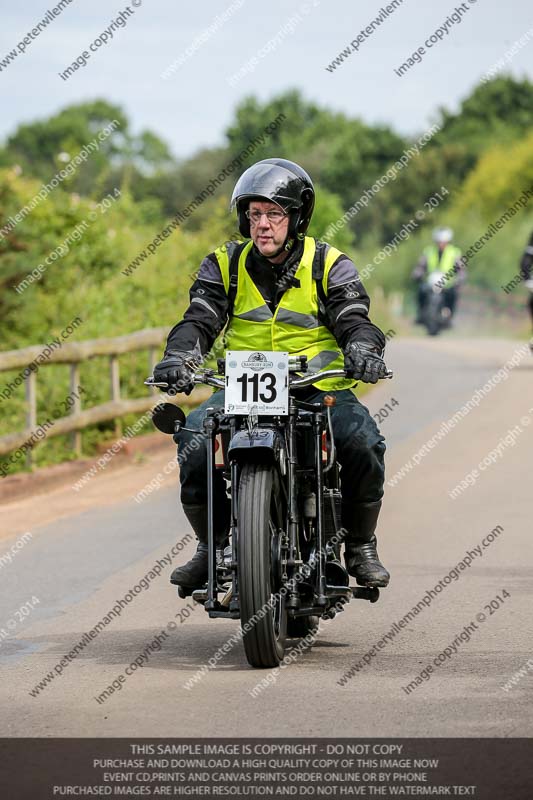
(263, 614)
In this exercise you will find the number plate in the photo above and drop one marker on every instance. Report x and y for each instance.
(257, 382)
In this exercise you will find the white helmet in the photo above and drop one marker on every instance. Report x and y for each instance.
(442, 235)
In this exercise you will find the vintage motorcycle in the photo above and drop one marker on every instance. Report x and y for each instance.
(280, 572)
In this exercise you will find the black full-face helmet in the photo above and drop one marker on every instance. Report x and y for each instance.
(282, 182)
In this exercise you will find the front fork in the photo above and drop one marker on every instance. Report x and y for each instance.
(211, 427)
(234, 488)
(294, 561)
(321, 566)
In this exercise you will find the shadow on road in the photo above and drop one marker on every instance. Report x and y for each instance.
(187, 648)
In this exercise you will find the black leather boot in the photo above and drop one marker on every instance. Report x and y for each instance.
(194, 573)
(360, 553)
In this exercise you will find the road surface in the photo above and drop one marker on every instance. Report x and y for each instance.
(89, 548)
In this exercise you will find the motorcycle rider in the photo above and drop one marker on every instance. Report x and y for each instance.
(526, 269)
(273, 292)
(443, 256)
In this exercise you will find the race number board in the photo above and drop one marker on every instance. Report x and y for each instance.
(257, 382)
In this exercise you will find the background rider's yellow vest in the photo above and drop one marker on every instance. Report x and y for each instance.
(449, 256)
(294, 326)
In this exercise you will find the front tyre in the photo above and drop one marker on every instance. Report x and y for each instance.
(433, 315)
(263, 614)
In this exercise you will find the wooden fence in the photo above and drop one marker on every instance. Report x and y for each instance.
(74, 353)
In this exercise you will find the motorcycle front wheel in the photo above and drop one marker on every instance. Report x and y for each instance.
(263, 612)
(433, 315)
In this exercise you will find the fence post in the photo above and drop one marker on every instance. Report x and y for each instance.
(76, 408)
(31, 412)
(115, 389)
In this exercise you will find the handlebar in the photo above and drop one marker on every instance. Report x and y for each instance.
(327, 373)
(208, 377)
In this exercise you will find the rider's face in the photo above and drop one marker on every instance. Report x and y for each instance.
(268, 236)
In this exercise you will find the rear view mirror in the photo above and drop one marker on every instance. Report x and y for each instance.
(165, 416)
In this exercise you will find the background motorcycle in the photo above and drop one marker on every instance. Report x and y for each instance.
(435, 314)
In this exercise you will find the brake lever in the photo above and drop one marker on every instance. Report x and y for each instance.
(158, 384)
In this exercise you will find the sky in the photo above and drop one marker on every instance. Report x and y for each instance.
(224, 51)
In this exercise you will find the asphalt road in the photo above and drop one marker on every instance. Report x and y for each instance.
(74, 569)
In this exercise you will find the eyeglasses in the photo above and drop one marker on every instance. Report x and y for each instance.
(274, 217)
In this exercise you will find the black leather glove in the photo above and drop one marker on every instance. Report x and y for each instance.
(177, 368)
(363, 362)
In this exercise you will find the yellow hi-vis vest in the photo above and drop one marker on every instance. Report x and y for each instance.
(449, 256)
(294, 326)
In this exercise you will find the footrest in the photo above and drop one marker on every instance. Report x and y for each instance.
(199, 594)
(370, 593)
(224, 614)
(190, 591)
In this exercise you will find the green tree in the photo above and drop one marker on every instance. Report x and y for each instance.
(43, 147)
(497, 110)
(400, 199)
(175, 187)
(328, 209)
(37, 146)
(342, 154)
(500, 177)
